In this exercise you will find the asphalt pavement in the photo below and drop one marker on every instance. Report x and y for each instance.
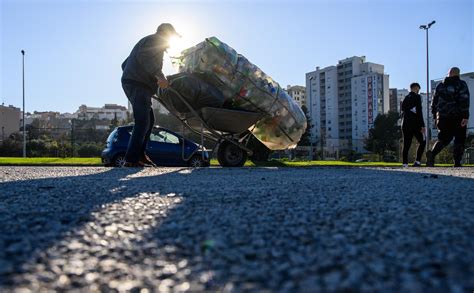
(233, 230)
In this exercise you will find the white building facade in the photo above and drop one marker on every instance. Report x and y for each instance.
(396, 97)
(367, 103)
(322, 91)
(344, 102)
(298, 93)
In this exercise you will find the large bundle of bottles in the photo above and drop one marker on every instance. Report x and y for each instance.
(247, 87)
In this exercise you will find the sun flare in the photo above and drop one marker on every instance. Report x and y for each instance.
(177, 44)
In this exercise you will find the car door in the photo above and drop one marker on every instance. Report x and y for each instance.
(171, 147)
(165, 147)
(155, 148)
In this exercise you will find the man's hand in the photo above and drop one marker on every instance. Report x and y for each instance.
(162, 82)
(464, 122)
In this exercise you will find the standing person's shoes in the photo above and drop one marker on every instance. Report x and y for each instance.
(416, 164)
(457, 165)
(133, 165)
(147, 161)
(429, 159)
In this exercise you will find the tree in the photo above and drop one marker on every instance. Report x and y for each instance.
(129, 119)
(385, 134)
(12, 146)
(306, 137)
(33, 129)
(114, 123)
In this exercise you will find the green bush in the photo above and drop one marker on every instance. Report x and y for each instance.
(89, 150)
(11, 148)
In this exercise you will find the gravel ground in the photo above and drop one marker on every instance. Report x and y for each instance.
(249, 229)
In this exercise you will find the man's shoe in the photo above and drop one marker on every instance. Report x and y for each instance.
(147, 161)
(457, 165)
(404, 165)
(429, 159)
(417, 164)
(133, 165)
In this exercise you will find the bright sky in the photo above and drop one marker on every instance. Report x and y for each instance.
(74, 48)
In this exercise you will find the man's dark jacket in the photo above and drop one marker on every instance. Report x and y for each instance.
(451, 99)
(145, 62)
(412, 112)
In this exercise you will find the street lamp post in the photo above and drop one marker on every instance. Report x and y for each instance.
(72, 137)
(428, 129)
(24, 130)
(310, 115)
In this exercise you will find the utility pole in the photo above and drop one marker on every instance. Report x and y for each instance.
(72, 137)
(311, 116)
(24, 130)
(428, 129)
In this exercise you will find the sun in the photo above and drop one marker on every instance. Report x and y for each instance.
(175, 43)
(189, 38)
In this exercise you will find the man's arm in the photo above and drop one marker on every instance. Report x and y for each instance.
(463, 100)
(405, 104)
(150, 56)
(434, 102)
(419, 112)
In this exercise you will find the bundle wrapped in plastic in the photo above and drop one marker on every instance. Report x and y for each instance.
(247, 87)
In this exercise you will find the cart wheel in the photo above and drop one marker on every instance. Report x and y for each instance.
(230, 155)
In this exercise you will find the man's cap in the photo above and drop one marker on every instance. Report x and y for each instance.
(167, 28)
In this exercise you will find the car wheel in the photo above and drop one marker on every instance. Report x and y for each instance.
(119, 160)
(196, 162)
(230, 155)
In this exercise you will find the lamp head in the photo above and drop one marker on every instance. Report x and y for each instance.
(22, 52)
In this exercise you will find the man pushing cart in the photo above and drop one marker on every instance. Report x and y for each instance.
(222, 96)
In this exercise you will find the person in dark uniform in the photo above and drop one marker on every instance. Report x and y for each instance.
(413, 124)
(450, 108)
(142, 75)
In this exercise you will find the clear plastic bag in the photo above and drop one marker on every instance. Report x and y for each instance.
(247, 87)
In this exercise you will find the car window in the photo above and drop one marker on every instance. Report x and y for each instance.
(155, 136)
(168, 137)
(164, 136)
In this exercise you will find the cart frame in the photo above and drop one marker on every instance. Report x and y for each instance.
(239, 140)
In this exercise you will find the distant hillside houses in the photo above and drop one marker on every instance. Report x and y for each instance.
(99, 118)
(9, 121)
(107, 112)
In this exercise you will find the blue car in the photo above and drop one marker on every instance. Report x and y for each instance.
(165, 148)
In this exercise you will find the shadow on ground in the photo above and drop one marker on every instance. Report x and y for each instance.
(238, 229)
